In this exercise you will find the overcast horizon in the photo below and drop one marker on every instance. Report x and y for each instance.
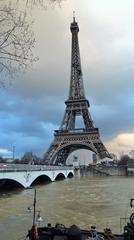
(32, 107)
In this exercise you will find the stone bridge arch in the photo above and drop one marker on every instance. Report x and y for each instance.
(10, 183)
(60, 176)
(27, 178)
(43, 178)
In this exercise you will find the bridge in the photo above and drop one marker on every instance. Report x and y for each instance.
(25, 175)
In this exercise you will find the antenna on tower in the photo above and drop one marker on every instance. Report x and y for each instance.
(73, 16)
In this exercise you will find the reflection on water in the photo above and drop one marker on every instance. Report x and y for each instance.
(83, 201)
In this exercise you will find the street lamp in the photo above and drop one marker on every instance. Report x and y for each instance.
(13, 152)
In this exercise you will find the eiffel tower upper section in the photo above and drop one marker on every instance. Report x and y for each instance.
(76, 84)
(69, 137)
(77, 104)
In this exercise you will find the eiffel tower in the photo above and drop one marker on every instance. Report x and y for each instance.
(69, 137)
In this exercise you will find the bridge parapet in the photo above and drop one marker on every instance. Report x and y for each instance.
(30, 167)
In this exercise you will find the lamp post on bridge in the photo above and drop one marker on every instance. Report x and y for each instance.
(13, 152)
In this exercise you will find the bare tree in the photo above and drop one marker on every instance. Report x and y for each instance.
(16, 39)
(16, 36)
(42, 3)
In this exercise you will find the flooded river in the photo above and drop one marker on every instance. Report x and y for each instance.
(81, 200)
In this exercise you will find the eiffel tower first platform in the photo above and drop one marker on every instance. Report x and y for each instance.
(69, 137)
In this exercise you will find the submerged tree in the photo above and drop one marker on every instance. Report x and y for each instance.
(124, 159)
(16, 35)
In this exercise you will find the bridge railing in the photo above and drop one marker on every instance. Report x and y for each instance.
(29, 167)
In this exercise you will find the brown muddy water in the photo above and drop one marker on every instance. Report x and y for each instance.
(83, 201)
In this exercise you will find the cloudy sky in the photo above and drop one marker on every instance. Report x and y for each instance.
(33, 105)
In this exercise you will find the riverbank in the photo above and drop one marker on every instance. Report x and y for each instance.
(104, 171)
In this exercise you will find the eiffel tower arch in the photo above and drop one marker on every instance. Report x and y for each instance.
(69, 137)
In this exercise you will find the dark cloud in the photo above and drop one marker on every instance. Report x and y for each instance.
(33, 106)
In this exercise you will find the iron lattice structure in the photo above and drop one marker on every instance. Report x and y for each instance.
(69, 137)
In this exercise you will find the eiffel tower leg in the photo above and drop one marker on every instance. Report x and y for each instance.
(48, 157)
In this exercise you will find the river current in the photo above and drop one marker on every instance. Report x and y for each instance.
(83, 201)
